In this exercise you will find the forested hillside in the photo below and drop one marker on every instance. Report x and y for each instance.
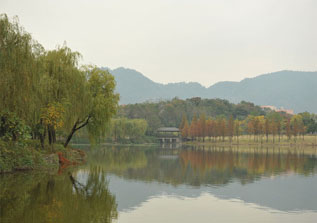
(169, 113)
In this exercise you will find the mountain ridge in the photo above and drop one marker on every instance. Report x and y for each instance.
(295, 90)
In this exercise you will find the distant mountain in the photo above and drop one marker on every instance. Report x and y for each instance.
(295, 90)
(289, 89)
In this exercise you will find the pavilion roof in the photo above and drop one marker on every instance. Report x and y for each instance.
(168, 129)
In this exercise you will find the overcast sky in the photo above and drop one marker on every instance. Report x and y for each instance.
(179, 40)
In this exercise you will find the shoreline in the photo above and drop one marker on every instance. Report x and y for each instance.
(257, 144)
(258, 147)
(247, 140)
(51, 162)
(75, 156)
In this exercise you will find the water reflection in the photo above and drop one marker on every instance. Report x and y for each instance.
(120, 180)
(216, 166)
(59, 198)
(277, 179)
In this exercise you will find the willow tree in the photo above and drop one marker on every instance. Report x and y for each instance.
(101, 103)
(20, 70)
(62, 88)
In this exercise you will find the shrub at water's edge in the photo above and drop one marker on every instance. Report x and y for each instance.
(30, 156)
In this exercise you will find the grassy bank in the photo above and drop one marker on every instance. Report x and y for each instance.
(30, 156)
(246, 140)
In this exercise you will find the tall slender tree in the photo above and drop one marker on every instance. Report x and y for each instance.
(237, 129)
(267, 129)
(288, 129)
(230, 128)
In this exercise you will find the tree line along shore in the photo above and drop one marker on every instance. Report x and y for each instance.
(274, 128)
(216, 121)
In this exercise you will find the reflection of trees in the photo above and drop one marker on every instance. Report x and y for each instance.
(117, 159)
(253, 163)
(217, 166)
(247, 166)
(55, 199)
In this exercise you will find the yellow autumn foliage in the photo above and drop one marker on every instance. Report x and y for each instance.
(53, 115)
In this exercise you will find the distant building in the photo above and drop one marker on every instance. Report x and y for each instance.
(287, 111)
(168, 135)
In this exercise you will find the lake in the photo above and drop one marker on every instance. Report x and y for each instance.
(149, 184)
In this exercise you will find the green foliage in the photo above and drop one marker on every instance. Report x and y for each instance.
(12, 128)
(310, 122)
(18, 157)
(128, 130)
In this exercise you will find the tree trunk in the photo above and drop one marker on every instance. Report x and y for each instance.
(42, 138)
(80, 125)
(53, 135)
(50, 140)
(69, 137)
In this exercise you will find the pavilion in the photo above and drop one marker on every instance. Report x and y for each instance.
(168, 135)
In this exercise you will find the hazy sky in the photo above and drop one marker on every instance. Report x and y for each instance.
(179, 40)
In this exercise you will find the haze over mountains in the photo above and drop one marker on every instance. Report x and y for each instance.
(295, 90)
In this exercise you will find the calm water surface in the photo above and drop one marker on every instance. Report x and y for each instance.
(121, 184)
